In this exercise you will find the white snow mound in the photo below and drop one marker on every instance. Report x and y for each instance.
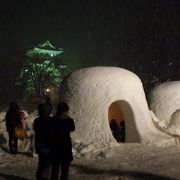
(90, 92)
(164, 100)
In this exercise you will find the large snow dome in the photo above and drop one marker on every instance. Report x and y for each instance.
(98, 94)
(164, 100)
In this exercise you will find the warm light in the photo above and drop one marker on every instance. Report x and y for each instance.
(47, 90)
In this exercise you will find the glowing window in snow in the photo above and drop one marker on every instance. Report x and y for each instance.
(117, 121)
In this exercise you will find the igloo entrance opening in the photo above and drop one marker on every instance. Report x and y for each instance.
(117, 121)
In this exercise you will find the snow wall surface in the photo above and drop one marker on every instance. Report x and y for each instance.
(90, 92)
(164, 100)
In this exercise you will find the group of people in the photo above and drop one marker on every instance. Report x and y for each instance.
(18, 118)
(52, 138)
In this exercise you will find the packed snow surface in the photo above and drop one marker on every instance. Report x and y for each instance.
(90, 92)
(96, 161)
(111, 161)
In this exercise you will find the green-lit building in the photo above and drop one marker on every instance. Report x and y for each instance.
(43, 49)
(42, 69)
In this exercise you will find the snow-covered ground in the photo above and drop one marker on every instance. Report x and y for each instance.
(101, 161)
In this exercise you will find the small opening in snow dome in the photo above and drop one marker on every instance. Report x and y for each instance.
(117, 122)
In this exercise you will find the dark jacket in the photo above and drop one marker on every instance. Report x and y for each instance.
(59, 137)
(12, 120)
(40, 126)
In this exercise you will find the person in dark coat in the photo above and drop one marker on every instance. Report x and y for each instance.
(122, 131)
(40, 127)
(13, 120)
(49, 106)
(60, 142)
(114, 129)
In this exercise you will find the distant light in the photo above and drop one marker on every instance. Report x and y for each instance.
(26, 70)
(51, 55)
(47, 90)
(63, 66)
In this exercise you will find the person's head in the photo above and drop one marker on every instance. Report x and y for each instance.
(42, 110)
(113, 121)
(23, 115)
(122, 123)
(62, 107)
(14, 106)
(48, 99)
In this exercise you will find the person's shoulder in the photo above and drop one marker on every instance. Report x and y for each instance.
(66, 118)
(70, 119)
(37, 119)
(7, 112)
(8, 115)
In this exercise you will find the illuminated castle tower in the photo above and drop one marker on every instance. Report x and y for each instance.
(45, 48)
(43, 69)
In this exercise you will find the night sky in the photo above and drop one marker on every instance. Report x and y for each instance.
(140, 35)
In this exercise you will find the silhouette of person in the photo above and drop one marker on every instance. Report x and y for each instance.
(60, 142)
(27, 125)
(13, 120)
(24, 121)
(40, 127)
(114, 129)
(49, 106)
(122, 131)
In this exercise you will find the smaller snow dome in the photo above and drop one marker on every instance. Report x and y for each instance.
(164, 99)
(174, 123)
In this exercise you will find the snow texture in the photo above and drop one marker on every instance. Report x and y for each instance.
(130, 161)
(91, 91)
(174, 123)
(96, 153)
(164, 100)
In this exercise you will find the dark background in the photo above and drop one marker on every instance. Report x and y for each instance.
(139, 35)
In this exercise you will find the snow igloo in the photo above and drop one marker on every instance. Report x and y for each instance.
(98, 94)
(164, 100)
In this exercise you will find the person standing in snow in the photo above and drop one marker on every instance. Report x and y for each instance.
(29, 130)
(25, 123)
(49, 106)
(41, 126)
(13, 120)
(60, 142)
